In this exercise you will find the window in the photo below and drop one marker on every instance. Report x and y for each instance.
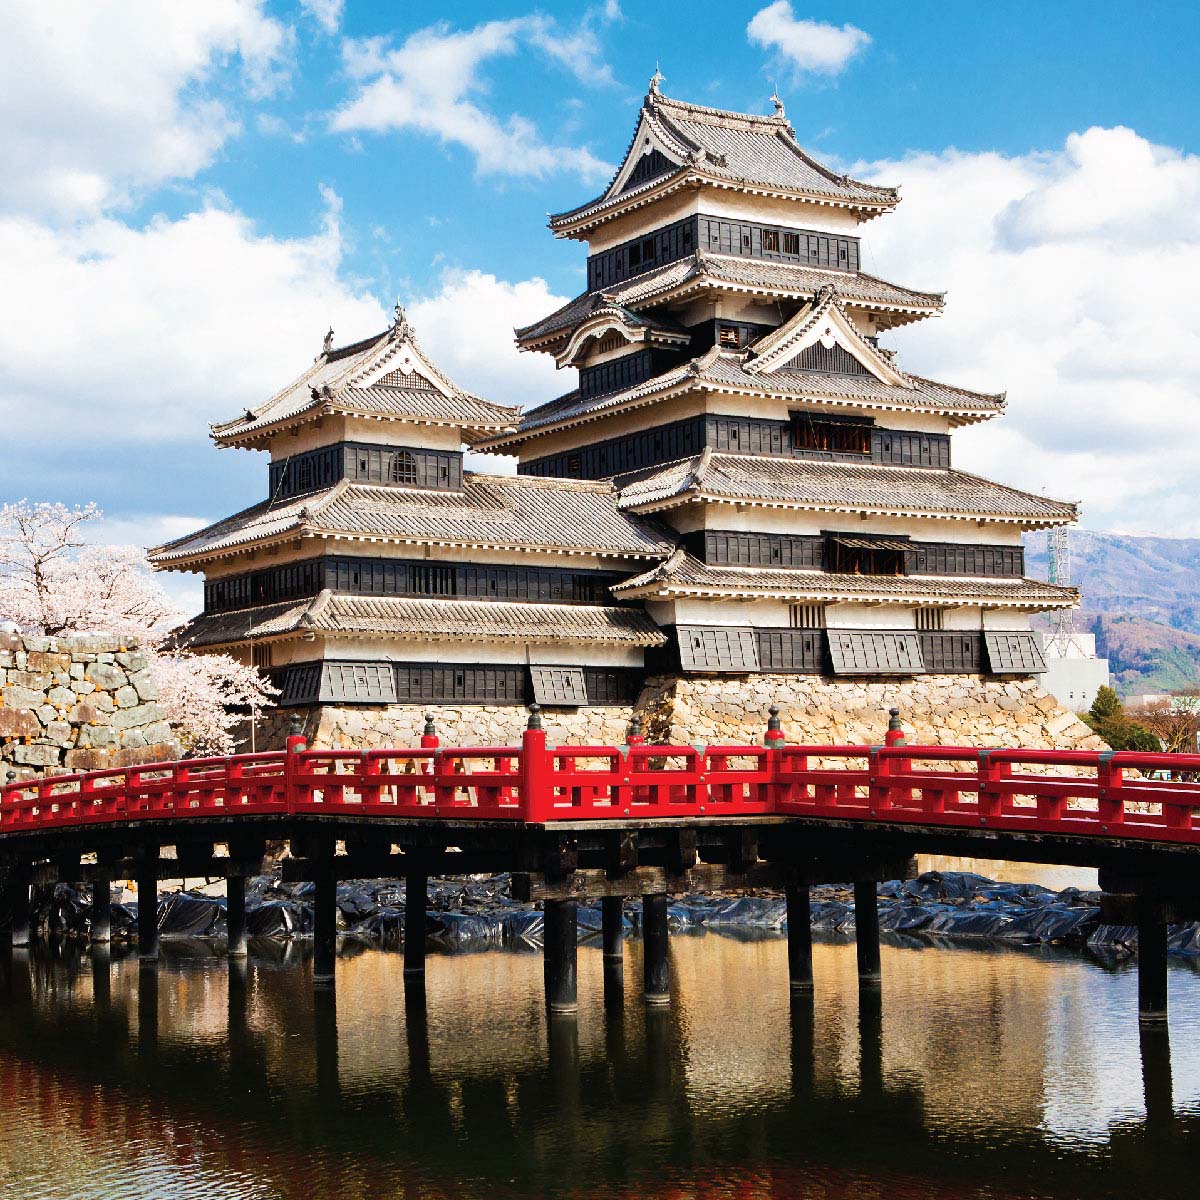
(729, 336)
(723, 649)
(770, 241)
(931, 618)
(850, 554)
(404, 469)
(838, 437)
(807, 616)
(559, 686)
(855, 652)
(791, 243)
(574, 466)
(1013, 654)
(260, 656)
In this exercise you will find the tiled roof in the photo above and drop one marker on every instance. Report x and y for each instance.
(504, 511)
(724, 371)
(685, 575)
(837, 487)
(349, 380)
(687, 275)
(425, 620)
(757, 152)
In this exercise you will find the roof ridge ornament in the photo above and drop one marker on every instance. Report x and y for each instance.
(775, 100)
(655, 79)
(326, 345)
(400, 327)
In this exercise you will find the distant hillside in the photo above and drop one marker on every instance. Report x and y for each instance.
(1141, 597)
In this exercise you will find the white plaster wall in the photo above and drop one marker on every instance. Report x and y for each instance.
(374, 649)
(329, 430)
(759, 614)
(869, 616)
(1004, 620)
(966, 618)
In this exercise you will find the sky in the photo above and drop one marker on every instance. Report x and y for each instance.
(195, 190)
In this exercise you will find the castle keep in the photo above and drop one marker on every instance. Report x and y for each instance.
(744, 496)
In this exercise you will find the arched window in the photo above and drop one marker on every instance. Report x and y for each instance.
(404, 469)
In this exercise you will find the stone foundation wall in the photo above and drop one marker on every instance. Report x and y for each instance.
(77, 703)
(969, 710)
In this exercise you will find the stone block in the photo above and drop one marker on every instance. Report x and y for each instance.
(157, 731)
(86, 760)
(90, 643)
(37, 756)
(82, 687)
(40, 660)
(146, 687)
(77, 670)
(39, 645)
(83, 714)
(61, 697)
(98, 735)
(133, 739)
(47, 713)
(126, 697)
(102, 701)
(34, 681)
(106, 675)
(60, 733)
(134, 661)
(19, 722)
(134, 718)
(106, 658)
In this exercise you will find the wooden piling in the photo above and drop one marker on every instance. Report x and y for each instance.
(235, 916)
(866, 924)
(16, 908)
(1152, 963)
(612, 920)
(799, 923)
(324, 924)
(416, 898)
(147, 890)
(656, 962)
(101, 931)
(562, 945)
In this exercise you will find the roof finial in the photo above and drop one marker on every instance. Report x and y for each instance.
(327, 345)
(401, 327)
(656, 79)
(775, 100)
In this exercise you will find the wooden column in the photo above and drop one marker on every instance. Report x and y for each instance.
(799, 923)
(235, 916)
(656, 962)
(612, 924)
(101, 931)
(147, 889)
(866, 924)
(16, 908)
(561, 958)
(1152, 963)
(416, 899)
(324, 922)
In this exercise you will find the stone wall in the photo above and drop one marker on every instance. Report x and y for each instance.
(967, 710)
(77, 703)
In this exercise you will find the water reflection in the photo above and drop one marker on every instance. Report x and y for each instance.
(968, 1074)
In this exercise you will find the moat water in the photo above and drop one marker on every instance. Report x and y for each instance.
(975, 1073)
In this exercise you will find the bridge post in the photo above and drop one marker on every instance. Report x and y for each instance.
(147, 889)
(16, 907)
(612, 919)
(235, 916)
(416, 899)
(656, 961)
(1152, 962)
(866, 937)
(101, 923)
(324, 920)
(561, 957)
(799, 923)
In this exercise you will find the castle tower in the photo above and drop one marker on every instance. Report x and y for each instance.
(380, 578)
(733, 384)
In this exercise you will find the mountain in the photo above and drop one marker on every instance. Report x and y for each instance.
(1141, 598)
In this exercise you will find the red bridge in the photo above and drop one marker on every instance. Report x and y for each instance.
(607, 822)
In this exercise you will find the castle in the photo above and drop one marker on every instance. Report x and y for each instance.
(744, 498)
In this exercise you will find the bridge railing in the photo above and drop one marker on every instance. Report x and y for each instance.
(1062, 791)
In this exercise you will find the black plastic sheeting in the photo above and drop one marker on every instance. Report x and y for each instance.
(476, 913)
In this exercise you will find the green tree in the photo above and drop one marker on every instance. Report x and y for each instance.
(1106, 706)
(1108, 718)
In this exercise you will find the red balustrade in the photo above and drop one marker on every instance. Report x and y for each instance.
(1133, 795)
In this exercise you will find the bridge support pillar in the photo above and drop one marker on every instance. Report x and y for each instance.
(866, 924)
(656, 960)
(235, 916)
(1152, 963)
(147, 890)
(416, 901)
(612, 919)
(16, 908)
(101, 931)
(325, 924)
(562, 952)
(799, 923)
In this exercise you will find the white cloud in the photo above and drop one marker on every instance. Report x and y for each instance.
(326, 13)
(467, 329)
(1073, 277)
(805, 45)
(120, 336)
(432, 83)
(105, 97)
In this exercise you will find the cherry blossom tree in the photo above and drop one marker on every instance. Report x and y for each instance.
(53, 582)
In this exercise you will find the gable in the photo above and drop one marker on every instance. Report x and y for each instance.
(409, 381)
(648, 158)
(830, 360)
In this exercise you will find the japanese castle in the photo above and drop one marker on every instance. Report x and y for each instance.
(742, 479)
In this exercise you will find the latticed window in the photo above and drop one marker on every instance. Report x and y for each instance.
(770, 241)
(931, 618)
(260, 657)
(404, 469)
(839, 437)
(808, 616)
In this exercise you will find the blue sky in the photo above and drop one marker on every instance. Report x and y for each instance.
(196, 190)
